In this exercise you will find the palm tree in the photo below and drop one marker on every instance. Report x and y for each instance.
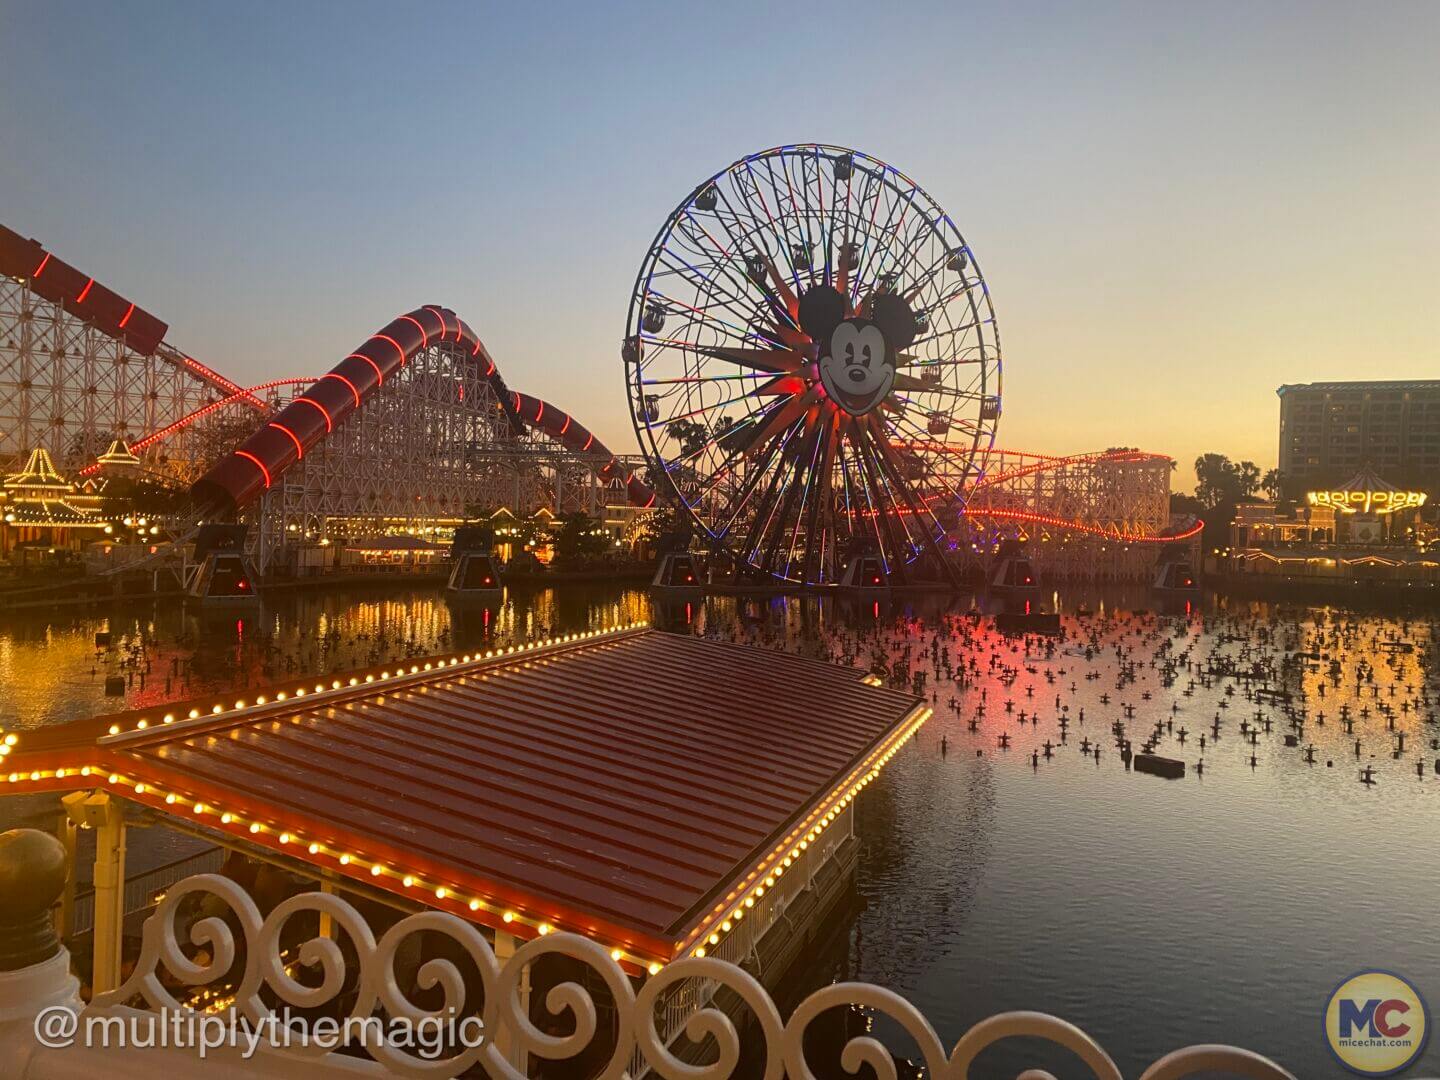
(1215, 479)
(1273, 485)
(1247, 478)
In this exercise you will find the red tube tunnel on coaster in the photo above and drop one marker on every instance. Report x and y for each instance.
(79, 293)
(243, 476)
(575, 437)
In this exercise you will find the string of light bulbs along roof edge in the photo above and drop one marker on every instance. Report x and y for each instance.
(462, 902)
(708, 933)
(762, 877)
(356, 865)
(342, 684)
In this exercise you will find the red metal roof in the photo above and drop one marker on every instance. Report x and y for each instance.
(616, 785)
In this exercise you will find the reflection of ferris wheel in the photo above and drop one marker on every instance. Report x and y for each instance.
(813, 363)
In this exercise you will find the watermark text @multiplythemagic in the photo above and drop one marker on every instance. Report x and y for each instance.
(427, 1037)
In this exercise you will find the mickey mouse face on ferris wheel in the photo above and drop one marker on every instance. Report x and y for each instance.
(856, 355)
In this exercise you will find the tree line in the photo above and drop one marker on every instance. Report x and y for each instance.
(1219, 480)
(1220, 484)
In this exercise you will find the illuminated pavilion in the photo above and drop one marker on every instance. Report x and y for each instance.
(612, 784)
(1364, 531)
(39, 506)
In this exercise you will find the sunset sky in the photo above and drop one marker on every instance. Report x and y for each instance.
(1178, 207)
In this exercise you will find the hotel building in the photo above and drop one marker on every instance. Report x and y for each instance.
(1330, 430)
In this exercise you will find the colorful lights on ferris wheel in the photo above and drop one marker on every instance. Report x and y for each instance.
(763, 405)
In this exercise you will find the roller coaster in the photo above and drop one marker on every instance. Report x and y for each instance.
(1095, 516)
(417, 427)
(87, 376)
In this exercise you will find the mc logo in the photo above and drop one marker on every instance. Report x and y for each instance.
(1376, 1023)
(1373, 1016)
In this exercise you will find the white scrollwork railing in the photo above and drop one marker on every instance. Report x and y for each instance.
(140, 891)
(630, 1008)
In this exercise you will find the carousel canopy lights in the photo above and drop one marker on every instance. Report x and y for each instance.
(39, 474)
(1367, 493)
(1367, 501)
(39, 497)
(118, 454)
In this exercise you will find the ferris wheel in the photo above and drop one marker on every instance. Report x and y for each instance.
(813, 364)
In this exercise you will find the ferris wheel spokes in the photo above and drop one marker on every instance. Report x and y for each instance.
(793, 324)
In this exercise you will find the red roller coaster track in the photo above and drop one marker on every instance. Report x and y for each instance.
(244, 396)
(283, 440)
(243, 475)
(85, 298)
(1092, 530)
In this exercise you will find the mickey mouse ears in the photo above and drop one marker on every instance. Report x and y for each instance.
(822, 309)
(896, 321)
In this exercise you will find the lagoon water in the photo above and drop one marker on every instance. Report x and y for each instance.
(1152, 913)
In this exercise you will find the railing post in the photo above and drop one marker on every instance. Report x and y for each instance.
(65, 917)
(507, 1041)
(327, 924)
(107, 817)
(34, 966)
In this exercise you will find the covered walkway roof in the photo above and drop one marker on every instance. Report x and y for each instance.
(632, 785)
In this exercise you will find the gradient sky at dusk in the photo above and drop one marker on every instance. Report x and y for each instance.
(1178, 206)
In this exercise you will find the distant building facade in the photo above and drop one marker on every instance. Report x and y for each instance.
(1330, 430)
